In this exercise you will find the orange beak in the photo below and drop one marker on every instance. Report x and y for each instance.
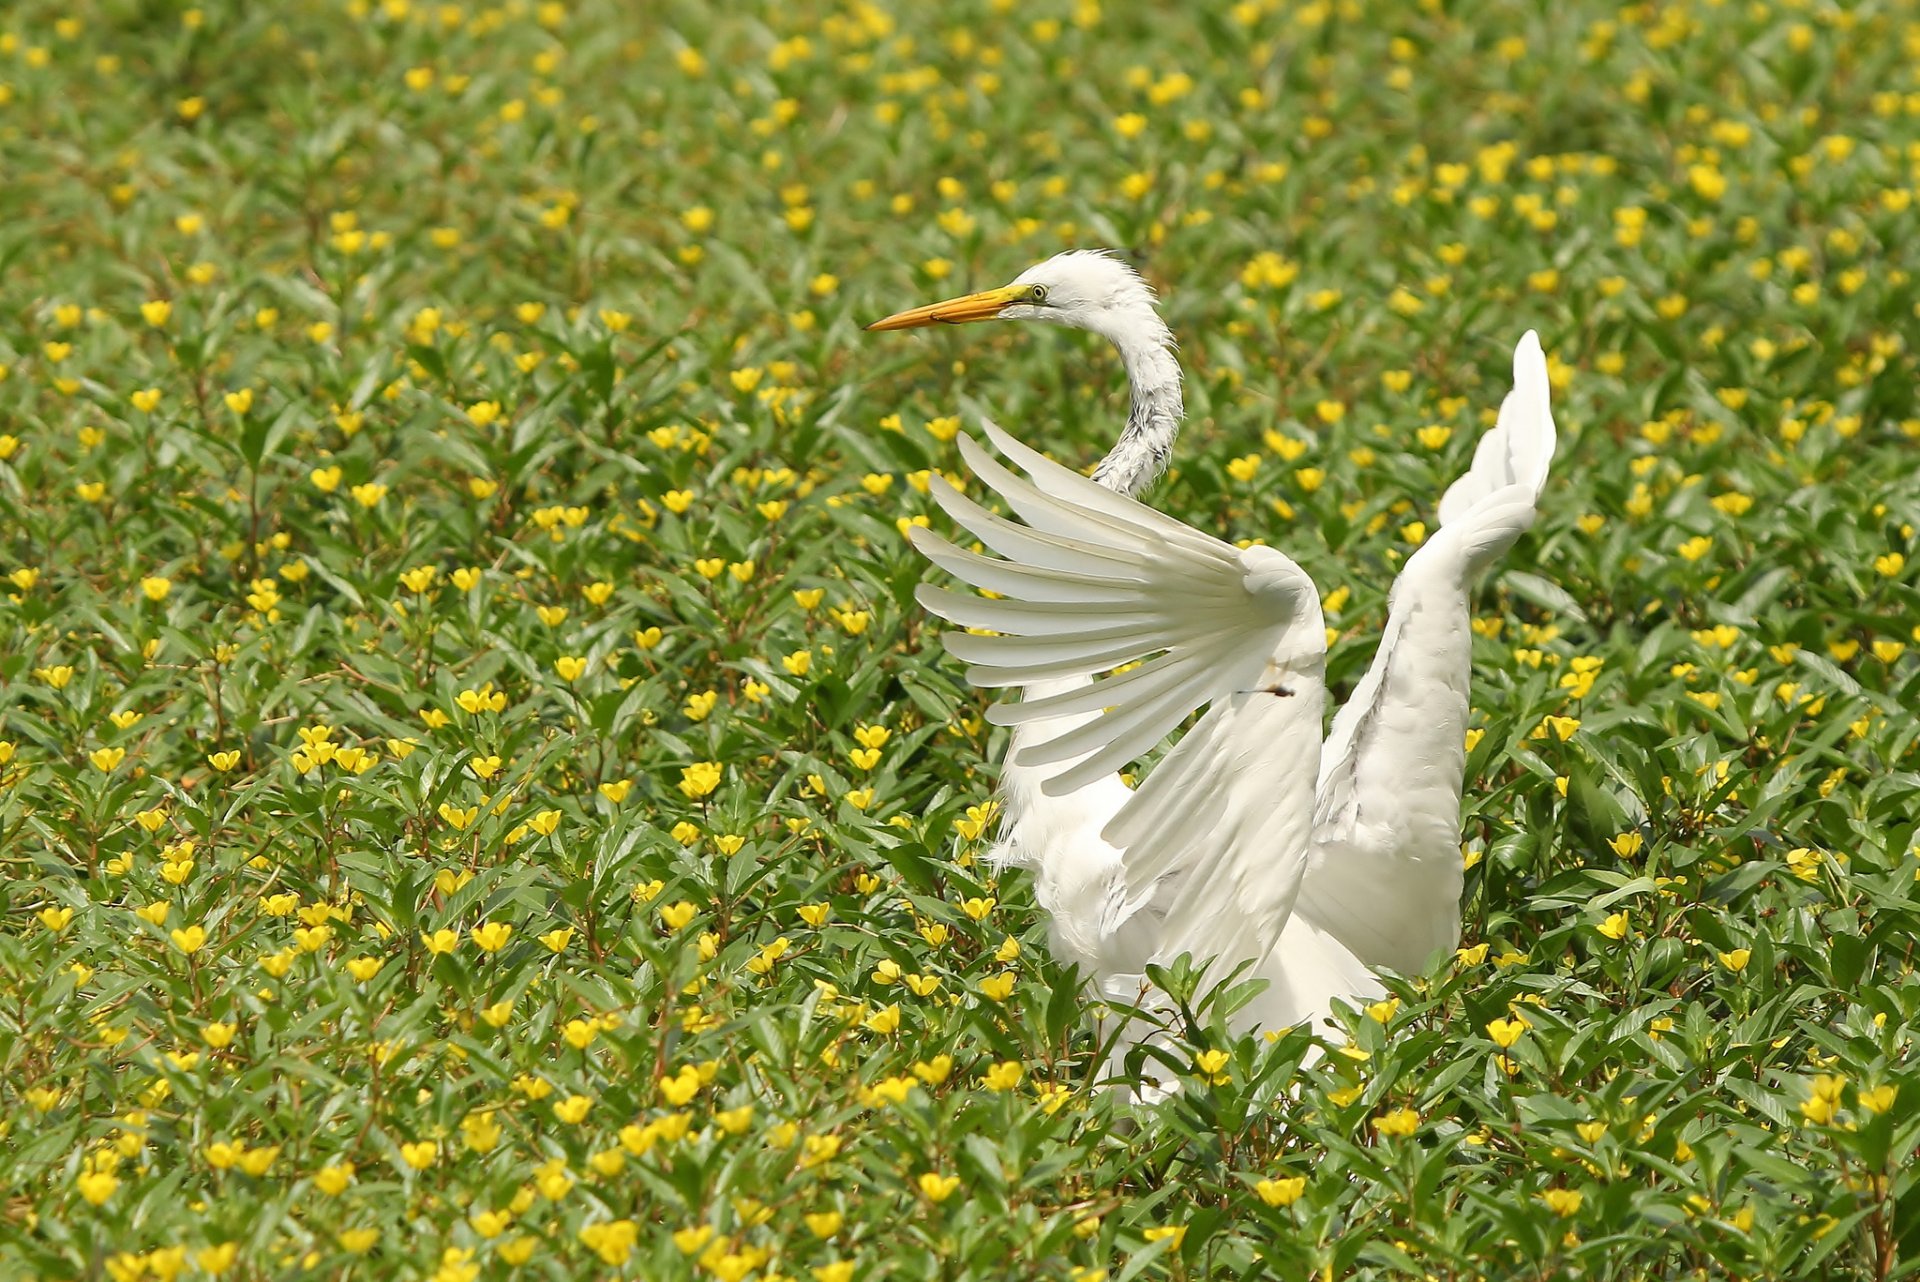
(983, 306)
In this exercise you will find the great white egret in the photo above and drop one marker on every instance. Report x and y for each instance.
(1249, 843)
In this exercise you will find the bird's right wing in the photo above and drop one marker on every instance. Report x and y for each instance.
(1089, 581)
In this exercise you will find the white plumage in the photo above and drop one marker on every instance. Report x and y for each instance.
(1248, 844)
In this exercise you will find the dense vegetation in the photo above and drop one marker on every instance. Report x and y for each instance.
(477, 798)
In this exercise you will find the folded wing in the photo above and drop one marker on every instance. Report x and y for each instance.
(1384, 877)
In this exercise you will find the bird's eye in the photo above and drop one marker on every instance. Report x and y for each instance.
(1038, 293)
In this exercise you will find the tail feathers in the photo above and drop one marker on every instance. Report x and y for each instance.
(1518, 450)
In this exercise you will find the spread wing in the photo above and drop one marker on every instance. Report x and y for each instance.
(1089, 581)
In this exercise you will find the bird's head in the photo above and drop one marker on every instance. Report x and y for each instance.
(1090, 289)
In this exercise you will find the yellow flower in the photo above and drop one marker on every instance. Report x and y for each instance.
(189, 940)
(1627, 844)
(677, 915)
(1562, 1202)
(420, 1154)
(1562, 728)
(1281, 1192)
(97, 1186)
(1737, 959)
(679, 1089)
(1004, 1076)
(690, 1240)
(1615, 926)
(106, 759)
(155, 587)
(700, 779)
(1210, 1066)
(258, 1161)
(938, 1188)
(492, 936)
(998, 987)
(1709, 182)
(1505, 1032)
(817, 1150)
(570, 667)
(440, 941)
(1400, 1122)
(358, 1241)
(217, 1259)
(612, 1241)
(333, 1178)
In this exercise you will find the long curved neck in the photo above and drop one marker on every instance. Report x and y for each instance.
(1153, 416)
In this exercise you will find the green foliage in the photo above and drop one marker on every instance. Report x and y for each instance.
(477, 797)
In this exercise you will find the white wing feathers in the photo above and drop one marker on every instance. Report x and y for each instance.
(1384, 877)
(1214, 842)
(1108, 581)
(1482, 512)
(1519, 448)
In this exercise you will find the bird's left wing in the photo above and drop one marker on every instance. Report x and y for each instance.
(1089, 581)
(1385, 874)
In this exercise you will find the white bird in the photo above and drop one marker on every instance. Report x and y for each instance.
(1248, 844)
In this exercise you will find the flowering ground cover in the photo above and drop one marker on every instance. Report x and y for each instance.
(477, 798)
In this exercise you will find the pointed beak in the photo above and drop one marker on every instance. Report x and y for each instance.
(985, 305)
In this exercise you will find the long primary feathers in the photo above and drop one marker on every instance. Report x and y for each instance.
(1388, 806)
(1519, 449)
(1236, 631)
(1125, 584)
